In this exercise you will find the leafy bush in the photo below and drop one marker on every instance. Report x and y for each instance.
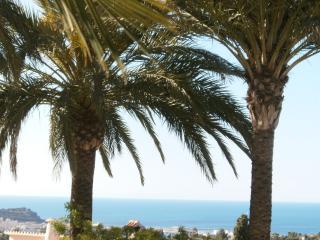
(182, 234)
(149, 234)
(241, 230)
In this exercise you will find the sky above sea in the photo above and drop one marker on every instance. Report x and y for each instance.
(296, 159)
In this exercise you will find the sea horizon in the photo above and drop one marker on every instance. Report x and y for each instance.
(205, 215)
(162, 199)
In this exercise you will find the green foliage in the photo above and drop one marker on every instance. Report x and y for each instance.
(149, 234)
(116, 233)
(182, 234)
(60, 227)
(189, 101)
(241, 230)
(99, 232)
(87, 21)
(265, 35)
(19, 37)
(4, 236)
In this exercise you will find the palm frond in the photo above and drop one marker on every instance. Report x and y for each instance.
(16, 102)
(124, 134)
(19, 37)
(105, 159)
(86, 20)
(146, 122)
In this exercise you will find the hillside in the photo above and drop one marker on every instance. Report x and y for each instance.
(20, 215)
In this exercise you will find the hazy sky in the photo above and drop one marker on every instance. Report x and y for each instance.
(296, 158)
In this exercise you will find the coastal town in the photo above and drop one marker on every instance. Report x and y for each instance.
(21, 219)
(23, 223)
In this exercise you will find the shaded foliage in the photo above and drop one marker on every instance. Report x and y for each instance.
(241, 230)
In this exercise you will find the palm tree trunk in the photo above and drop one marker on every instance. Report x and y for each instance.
(81, 191)
(261, 185)
(87, 136)
(265, 97)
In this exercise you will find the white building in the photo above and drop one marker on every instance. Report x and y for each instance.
(50, 234)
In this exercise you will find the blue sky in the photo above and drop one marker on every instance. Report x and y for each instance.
(296, 158)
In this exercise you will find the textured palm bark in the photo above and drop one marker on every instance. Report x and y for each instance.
(81, 191)
(87, 137)
(265, 97)
(261, 185)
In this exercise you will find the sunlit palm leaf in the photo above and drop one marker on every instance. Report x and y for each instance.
(86, 19)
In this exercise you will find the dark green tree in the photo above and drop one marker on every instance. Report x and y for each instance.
(241, 230)
(182, 234)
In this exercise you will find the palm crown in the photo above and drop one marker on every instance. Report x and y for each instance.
(84, 97)
(262, 35)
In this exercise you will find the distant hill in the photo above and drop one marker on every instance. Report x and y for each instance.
(20, 215)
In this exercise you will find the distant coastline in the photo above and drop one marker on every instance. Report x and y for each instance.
(203, 215)
(22, 214)
(20, 219)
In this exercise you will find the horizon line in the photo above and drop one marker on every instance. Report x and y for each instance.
(161, 199)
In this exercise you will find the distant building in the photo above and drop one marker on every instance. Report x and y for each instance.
(135, 224)
(50, 234)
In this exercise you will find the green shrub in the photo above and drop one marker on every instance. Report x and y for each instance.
(182, 234)
(149, 234)
(241, 230)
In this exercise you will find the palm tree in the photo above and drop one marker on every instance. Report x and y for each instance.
(268, 38)
(87, 102)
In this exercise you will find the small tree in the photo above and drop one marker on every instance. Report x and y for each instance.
(241, 230)
(182, 234)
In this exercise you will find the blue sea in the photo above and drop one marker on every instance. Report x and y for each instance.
(204, 215)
